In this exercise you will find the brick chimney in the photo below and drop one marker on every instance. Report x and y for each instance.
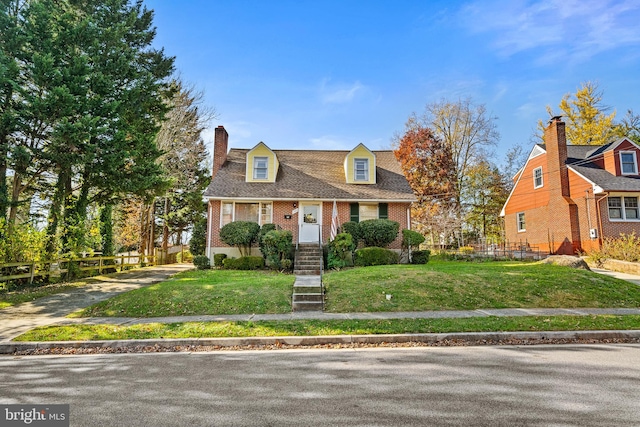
(220, 145)
(563, 225)
(556, 143)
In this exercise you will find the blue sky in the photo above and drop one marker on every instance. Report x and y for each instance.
(331, 74)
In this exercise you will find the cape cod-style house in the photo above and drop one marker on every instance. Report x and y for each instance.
(297, 189)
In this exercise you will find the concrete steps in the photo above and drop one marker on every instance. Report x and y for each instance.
(308, 294)
(308, 260)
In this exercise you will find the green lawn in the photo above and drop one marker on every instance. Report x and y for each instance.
(333, 327)
(202, 292)
(447, 285)
(439, 285)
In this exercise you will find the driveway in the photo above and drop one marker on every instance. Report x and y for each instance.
(18, 319)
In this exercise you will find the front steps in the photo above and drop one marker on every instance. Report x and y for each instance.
(308, 293)
(308, 260)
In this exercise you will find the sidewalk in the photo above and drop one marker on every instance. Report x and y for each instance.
(51, 310)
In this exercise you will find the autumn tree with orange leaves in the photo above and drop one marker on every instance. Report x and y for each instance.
(428, 165)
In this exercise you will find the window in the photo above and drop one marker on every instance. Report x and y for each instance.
(537, 177)
(254, 212)
(365, 211)
(227, 214)
(628, 163)
(623, 208)
(265, 213)
(246, 212)
(631, 207)
(368, 212)
(520, 219)
(615, 207)
(260, 170)
(361, 169)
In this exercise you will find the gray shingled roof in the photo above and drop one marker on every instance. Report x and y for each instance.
(578, 159)
(606, 180)
(307, 174)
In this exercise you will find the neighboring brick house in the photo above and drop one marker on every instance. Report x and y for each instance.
(296, 190)
(567, 198)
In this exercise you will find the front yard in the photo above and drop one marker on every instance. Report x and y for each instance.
(202, 292)
(451, 285)
(439, 285)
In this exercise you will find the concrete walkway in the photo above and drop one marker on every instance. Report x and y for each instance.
(18, 319)
(52, 310)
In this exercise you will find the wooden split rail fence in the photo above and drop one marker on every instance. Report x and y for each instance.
(31, 270)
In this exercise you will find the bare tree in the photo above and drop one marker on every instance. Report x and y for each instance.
(467, 128)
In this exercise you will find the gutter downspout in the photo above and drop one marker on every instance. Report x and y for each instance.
(209, 231)
(599, 217)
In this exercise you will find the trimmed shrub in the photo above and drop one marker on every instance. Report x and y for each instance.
(244, 263)
(277, 248)
(420, 257)
(411, 239)
(218, 259)
(340, 251)
(378, 232)
(352, 228)
(241, 234)
(201, 262)
(376, 256)
(263, 231)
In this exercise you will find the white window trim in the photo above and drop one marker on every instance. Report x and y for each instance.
(635, 163)
(520, 230)
(255, 167)
(623, 209)
(233, 211)
(366, 171)
(541, 178)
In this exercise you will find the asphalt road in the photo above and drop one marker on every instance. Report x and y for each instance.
(582, 385)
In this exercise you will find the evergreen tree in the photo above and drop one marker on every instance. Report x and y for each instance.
(184, 160)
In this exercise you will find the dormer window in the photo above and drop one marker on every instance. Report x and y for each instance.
(628, 163)
(260, 169)
(361, 169)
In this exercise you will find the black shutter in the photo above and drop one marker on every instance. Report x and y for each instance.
(355, 212)
(383, 211)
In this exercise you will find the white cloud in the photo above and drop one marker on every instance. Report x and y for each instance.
(574, 30)
(339, 93)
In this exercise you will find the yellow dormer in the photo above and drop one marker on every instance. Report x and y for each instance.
(360, 166)
(262, 164)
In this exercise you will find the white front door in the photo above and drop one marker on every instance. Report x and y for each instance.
(310, 220)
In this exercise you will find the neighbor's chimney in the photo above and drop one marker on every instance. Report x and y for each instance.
(220, 144)
(556, 143)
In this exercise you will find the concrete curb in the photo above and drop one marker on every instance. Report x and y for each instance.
(470, 338)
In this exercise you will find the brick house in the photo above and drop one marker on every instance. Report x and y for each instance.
(296, 190)
(567, 198)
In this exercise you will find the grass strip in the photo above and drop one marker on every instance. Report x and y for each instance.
(331, 327)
